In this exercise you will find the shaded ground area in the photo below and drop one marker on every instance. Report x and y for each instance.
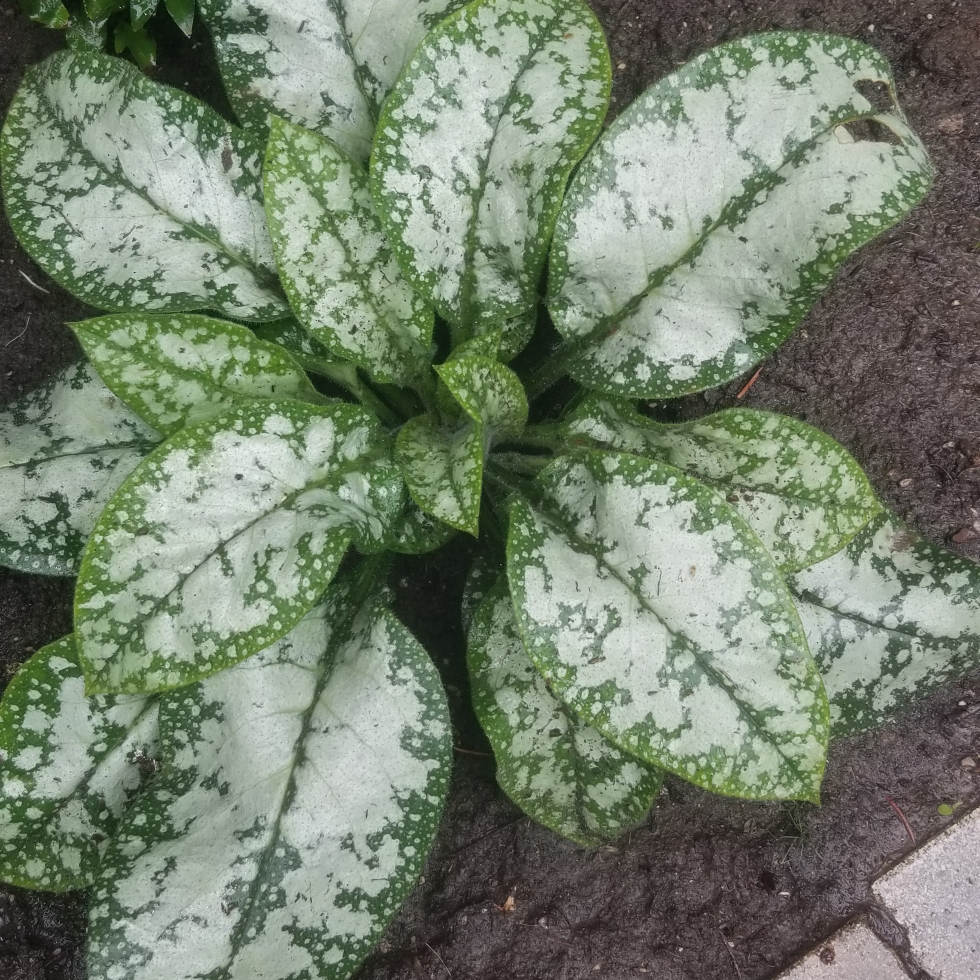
(888, 363)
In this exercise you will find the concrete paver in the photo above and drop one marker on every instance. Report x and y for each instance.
(935, 895)
(853, 953)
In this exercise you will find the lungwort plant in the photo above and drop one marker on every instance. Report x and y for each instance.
(241, 750)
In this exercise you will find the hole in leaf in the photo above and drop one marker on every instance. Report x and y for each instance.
(868, 131)
(877, 93)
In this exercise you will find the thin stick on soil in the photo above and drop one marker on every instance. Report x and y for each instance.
(440, 959)
(14, 340)
(731, 953)
(901, 816)
(749, 383)
(40, 289)
(481, 755)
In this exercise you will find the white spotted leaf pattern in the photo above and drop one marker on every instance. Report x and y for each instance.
(326, 65)
(69, 767)
(337, 268)
(712, 213)
(179, 367)
(798, 489)
(557, 769)
(658, 617)
(64, 450)
(298, 801)
(889, 619)
(443, 469)
(135, 196)
(224, 537)
(488, 392)
(473, 150)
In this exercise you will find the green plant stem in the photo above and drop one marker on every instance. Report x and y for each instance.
(554, 367)
(345, 376)
(546, 435)
(522, 463)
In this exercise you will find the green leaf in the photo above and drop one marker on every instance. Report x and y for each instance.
(133, 195)
(557, 769)
(338, 270)
(415, 533)
(443, 469)
(64, 449)
(50, 13)
(658, 617)
(326, 65)
(488, 391)
(180, 367)
(85, 34)
(889, 619)
(225, 537)
(70, 766)
(182, 12)
(798, 489)
(98, 10)
(137, 42)
(302, 796)
(473, 149)
(140, 11)
(718, 206)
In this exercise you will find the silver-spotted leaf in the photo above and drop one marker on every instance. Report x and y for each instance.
(798, 489)
(657, 616)
(133, 195)
(889, 619)
(225, 537)
(474, 147)
(443, 469)
(180, 367)
(326, 65)
(415, 533)
(64, 450)
(717, 207)
(304, 789)
(50, 13)
(557, 769)
(488, 391)
(69, 766)
(338, 270)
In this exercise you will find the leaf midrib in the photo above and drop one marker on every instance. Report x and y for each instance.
(604, 326)
(725, 683)
(263, 278)
(334, 475)
(468, 281)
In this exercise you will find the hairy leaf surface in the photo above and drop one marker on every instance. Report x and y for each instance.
(180, 367)
(326, 65)
(889, 619)
(64, 449)
(474, 147)
(488, 391)
(69, 766)
(798, 489)
(557, 769)
(338, 270)
(303, 791)
(443, 468)
(133, 195)
(225, 537)
(658, 617)
(714, 211)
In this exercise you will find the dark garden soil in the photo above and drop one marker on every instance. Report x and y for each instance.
(888, 363)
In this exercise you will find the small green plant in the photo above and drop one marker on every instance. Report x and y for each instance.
(90, 22)
(240, 749)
